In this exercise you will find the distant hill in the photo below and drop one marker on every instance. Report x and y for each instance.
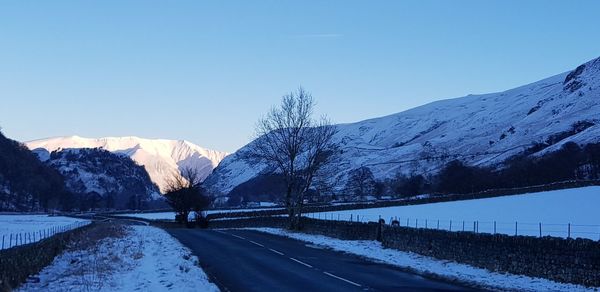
(479, 130)
(26, 184)
(161, 158)
(103, 179)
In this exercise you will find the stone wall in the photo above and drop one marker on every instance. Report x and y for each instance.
(18, 263)
(564, 260)
(273, 222)
(338, 229)
(341, 229)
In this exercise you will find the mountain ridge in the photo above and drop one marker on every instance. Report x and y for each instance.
(162, 158)
(492, 127)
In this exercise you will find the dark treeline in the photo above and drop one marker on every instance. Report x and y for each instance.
(263, 188)
(570, 162)
(26, 184)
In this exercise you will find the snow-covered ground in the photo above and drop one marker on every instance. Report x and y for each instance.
(31, 228)
(555, 210)
(427, 265)
(171, 215)
(146, 259)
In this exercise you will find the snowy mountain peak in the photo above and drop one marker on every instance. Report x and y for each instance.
(160, 157)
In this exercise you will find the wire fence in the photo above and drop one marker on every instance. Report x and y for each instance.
(514, 228)
(10, 240)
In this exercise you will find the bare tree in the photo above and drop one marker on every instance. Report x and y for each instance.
(361, 182)
(294, 145)
(185, 194)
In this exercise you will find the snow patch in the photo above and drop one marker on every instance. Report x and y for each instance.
(147, 259)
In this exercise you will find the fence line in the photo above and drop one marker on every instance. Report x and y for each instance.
(11, 240)
(515, 228)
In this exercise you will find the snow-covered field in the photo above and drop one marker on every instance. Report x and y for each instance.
(146, 259)
(427, 265)
(171, 215)
(31, 228)
(555, 210)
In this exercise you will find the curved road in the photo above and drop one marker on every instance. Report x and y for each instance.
(245, 260)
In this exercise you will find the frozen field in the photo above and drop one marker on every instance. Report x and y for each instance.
(30, 228)
(523, 214)
(171, 215)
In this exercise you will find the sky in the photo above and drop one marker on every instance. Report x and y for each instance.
(206, 71)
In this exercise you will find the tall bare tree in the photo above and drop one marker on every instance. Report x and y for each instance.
(294, 144)
(185, 194)
(361, 182)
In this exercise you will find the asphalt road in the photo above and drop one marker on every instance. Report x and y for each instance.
(244, 260)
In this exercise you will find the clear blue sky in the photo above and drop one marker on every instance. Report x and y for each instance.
(205, 71)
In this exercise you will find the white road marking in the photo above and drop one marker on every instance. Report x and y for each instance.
(301, 262)
(277, 252)
(340, 278)
(237, 236)
(254, 242)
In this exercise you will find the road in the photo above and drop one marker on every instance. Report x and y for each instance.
(245, 260)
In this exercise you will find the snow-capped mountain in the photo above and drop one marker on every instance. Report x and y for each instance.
(479, 129)
(161, 158)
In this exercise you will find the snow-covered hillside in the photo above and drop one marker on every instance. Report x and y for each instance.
(161, 158)
(102, 178)
(479, 129)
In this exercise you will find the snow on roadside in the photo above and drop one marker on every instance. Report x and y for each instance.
(427, 265)
(146, 259)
